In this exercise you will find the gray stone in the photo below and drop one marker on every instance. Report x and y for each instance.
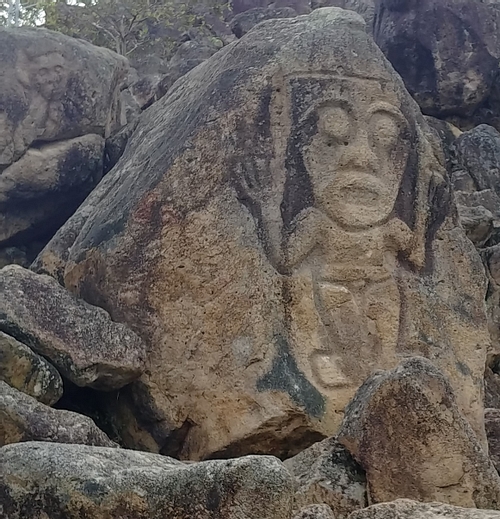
(315, 512)
(23, 369)
(74, 481)
(79, 339)
(492, 424)
(327, 474)
(245, 21)
(24, 419)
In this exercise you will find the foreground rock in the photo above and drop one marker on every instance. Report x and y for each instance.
(275, 248)
(23, 419)
(74, 481)
(407, 509)
(23, 369)
(447, 53)
(80, 340)
(327, 474)
(430, 455)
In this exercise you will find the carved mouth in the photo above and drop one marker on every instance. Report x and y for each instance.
(360, 189)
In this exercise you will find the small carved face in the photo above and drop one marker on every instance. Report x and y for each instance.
(357, 158)
(49, 76)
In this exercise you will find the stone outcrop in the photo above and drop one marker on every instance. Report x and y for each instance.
(79, 339)
(407, 509)
(59, 98)
(447, 53)
(74, 481)
(327, 474)
(366, 8)
(280, 225)
(23, 419)
(406, 431)
(23, 369)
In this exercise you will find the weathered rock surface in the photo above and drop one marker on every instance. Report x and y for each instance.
(245, 21)
(40, 191)
(366, 8)
(23, 369)
(53, 87)
(492, 423)
(280, 225)
(407, 509)
(327, 474)
(73, 481)
(79, 339)
(59, 99)
(405, 429)
(447, 53)
(22, 419)
(315, 512)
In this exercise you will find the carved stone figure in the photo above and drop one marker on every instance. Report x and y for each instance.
(279, 227)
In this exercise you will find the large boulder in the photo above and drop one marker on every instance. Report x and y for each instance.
(407, 509)
(23, 419)
(80, 339)
(406, 431)
(59, 99)
(279, 226)
(245, 21)
(366, 8)
(327, 474)
(74, 481)
(447, 52)
(23, 369)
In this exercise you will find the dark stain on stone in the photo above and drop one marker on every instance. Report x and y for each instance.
(285, 376)
(213, 499)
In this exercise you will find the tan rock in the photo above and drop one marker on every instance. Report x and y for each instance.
(405, 429)
(280, 226)
(23, 369)
(80, 340)
(407, 509)
(41, 480)
(327, 474)
(24, 419)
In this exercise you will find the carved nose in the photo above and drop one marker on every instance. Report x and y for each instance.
(358, 155)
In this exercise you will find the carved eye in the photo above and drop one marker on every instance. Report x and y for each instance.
(385, 129)
(335, 122)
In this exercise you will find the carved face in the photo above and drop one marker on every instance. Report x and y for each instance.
(49, 75)
(357, 157)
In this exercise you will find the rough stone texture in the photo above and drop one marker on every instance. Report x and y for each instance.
(116, 144)
(79, 339)
(74, 481)
(40, 191)
(326, 473)
(492, 423)
(431, 454)
(279, 226)
(447, 53)
(23, 369)
(407, 509)
(315, 512)
(366, 8)
(22, 419)
(243, 22)
(59, 99)
(53, 87)
(188, 56)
